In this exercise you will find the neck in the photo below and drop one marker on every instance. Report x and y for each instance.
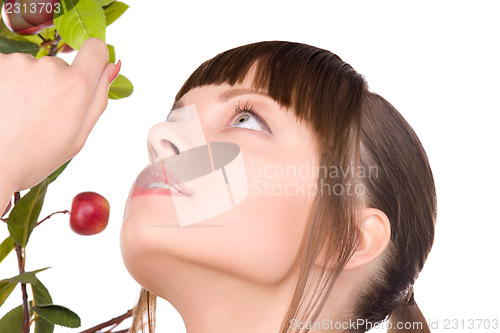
(213, 302)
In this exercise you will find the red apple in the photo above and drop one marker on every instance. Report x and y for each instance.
(6, 209)
(13, 19)
(39, 12)
(89, 213)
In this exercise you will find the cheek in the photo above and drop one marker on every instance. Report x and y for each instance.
(274, 218)
(267, 233)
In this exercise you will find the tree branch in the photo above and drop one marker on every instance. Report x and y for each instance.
(48, 217)
(26, 313)
(115, 321)
(55, 42)
(20, 264)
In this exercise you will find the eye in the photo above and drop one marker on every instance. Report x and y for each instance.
(246, 117)
(245, 120)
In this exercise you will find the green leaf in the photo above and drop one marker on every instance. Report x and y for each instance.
(49, 33)
(23, 217)
(35, 39)
(6, 289)
(80, 20)
(58, 315)
(120, 88)
(43, 326)
(10, 46)
(12, 322)
(27, 277)
(104, 2)
(42, 52)
(6, 247)
(8, 285)
(114, 11)
(40, 293)
(42, 296)
(112, 57)
(53, 176)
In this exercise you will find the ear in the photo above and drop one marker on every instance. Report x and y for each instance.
(374, 236)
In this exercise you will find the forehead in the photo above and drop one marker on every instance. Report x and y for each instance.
(247, 83)
(224, 92)
(250, 76)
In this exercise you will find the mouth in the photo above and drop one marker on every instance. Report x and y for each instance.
(163, 185)
(157, 177)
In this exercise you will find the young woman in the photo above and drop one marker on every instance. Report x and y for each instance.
(336, 207)
(283, 260)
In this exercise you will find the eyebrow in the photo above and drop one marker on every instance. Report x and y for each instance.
(227, 95)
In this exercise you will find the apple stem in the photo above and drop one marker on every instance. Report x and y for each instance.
(48, 217)
(55, 42)
(60, 47)
(43, 39)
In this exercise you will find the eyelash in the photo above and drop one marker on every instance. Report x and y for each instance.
(250, 109)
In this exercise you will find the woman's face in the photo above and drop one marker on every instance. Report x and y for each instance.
(256, 237)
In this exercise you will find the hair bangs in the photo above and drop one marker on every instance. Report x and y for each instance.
(291, 74)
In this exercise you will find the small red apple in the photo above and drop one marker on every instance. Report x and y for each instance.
(89, 213)
(7, 209)
(39, 12)
(13, 19)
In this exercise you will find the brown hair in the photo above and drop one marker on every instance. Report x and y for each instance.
(356, 128)
(144, 314)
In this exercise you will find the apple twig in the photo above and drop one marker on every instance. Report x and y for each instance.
(55, 42)
(43, 39)
(48, 217)
(26, 315)
(20, 263)
(112, 322)
(60, 47)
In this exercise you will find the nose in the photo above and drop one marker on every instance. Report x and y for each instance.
(165, 147)
(182, 131)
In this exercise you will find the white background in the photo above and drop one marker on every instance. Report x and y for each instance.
(436, 61)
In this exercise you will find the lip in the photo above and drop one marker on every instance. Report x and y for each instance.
(140, 192)
(158, 179)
